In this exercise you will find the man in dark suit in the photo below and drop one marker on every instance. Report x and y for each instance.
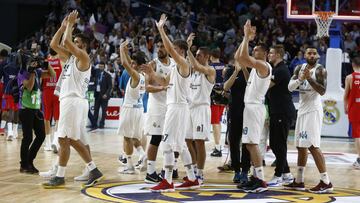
(102, 94)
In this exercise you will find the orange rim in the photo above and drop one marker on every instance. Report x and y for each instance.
(324, 15)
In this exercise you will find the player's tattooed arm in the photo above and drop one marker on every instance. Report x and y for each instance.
(296, 79)
(319, 84)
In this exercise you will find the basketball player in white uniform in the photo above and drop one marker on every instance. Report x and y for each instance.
(310, 78)
(73, 105)
(254, 99)
(156, 109)
(177, 113)
(132, 111)
(202, 81)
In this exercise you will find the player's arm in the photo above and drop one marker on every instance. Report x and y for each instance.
(295, 80)
(319, 85)
(207, 70)
(134, 75)
(230, 82)
(184, 69)
(55, 41)
(149, 83)
(245, 59)
(348, 82)
(84, 59)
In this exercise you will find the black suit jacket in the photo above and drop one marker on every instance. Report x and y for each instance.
(105, 83)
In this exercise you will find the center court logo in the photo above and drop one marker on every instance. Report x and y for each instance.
(138, 191)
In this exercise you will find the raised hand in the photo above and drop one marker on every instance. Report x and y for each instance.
(190, 39)
(124, 44)
(160, 24)
(147, 69)
(72, 17)
(248, 30)
(252, 33)
(64, 22)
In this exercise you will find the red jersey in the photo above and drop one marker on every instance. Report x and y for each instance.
(354, 98)
(50, 83)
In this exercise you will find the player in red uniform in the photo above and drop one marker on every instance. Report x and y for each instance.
(352, 104)
(51, 101)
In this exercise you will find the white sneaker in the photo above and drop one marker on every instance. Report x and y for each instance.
(356, 165)
(49, 174)
(288, 178)
(141, 165)
(9, 138)
(275, 182)
(126, 170)
(84, 176)
(16, 135)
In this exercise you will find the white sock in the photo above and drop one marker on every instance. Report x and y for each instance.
(254, 172)
(195, 169)
(218, 147)
(151, 167)
(325, 177)
(10, 128)
(300, 174)
(200, 172)
(91, 165)
(259, 172)
(168, 174)
(190, 172)
(3, 123)
(140, 151)
(56, 163)
(47, 140)
(129, 162)
(61, 171)
(169, 158)
(15, 127)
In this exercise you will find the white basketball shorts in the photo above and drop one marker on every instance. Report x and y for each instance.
(254, 120)
(308, 129)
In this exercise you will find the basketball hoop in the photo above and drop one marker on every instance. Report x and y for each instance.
(323, 20)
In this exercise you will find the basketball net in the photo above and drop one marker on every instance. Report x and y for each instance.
(323, 21)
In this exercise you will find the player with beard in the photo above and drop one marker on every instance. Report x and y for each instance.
(72, 85)
(162, 65)
(310, 78)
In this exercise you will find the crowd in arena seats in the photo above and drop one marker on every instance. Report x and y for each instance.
(216, 23)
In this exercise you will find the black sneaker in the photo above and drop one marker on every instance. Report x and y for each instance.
(257, 186)
(246, 184)
(24, 169)
(32, 169)
(216, 153)
(273, 164)
(175, 174)
(122, 160)
(152, 178)
(225, 168)
(54, 183)
(94, 177)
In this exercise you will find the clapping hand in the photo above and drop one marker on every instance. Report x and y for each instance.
(160, 24)
(190, 39)
(72, 17)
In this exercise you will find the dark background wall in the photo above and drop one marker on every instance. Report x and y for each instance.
(21, 18)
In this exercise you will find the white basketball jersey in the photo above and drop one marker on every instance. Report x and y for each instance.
(133, 96)
(178, 91)
(310, 100)
(200, 89)
(157, 101)
(74, 82)
(257, 87)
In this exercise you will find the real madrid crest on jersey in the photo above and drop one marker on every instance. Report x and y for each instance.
(331, 112)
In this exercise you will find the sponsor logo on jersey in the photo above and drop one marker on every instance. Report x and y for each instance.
(212, 191)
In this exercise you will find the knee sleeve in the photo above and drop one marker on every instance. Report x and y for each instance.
(155, 140)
